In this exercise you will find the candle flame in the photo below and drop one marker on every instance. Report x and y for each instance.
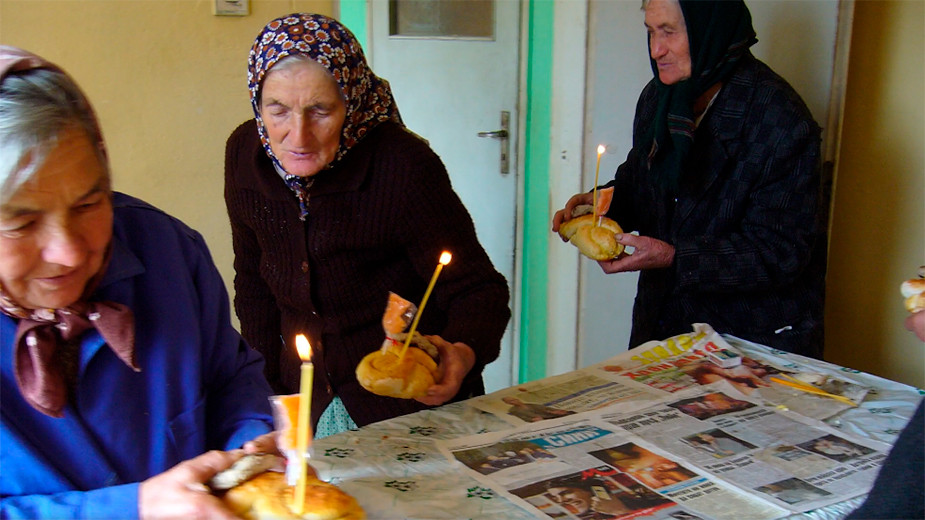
(600, 149)
(445, 257)
(303, 347)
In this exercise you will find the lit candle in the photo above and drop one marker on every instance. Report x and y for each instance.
(445, 258)
(303, 428)
(597, 171)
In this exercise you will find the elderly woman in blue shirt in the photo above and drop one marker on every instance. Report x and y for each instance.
(120, 369)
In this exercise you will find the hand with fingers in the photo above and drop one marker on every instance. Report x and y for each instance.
(180, 492)
(457, 359)
(649, 253)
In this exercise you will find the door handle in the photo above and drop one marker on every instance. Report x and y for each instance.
(503, 135)
(497, 134)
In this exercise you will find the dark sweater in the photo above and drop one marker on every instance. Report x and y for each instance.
(377, 222)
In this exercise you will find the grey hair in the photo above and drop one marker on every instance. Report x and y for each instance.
(36, 107)
(287, 63)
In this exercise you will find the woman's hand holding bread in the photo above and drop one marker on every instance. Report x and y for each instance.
(457, 359)
(606, 242)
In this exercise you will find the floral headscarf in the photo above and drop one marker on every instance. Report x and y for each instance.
(368, 97)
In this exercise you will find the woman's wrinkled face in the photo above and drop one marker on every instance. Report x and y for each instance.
(55, 229)
(303, 110)
(668, 42)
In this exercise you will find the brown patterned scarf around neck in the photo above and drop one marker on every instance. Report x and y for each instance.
(43, 348)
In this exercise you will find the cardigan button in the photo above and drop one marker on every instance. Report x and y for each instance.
(304, 267)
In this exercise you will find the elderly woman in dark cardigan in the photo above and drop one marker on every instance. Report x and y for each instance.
(723, 186)
(333, 204)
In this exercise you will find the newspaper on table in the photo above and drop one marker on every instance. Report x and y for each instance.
(678, 365)
(698, 455)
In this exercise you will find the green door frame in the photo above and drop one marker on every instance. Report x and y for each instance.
(538, 119)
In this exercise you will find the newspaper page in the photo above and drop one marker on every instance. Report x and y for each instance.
(681, 364)
(705, 456)
(784, 458)
(564, 395)
(586, 469)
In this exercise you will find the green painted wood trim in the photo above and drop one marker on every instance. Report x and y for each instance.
(538, 120)
(353, 15)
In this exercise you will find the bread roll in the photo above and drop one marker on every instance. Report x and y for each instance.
(594, 241)
(268, 497)
(914, 292)
(382, 373)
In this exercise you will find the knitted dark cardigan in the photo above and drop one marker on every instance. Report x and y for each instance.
(377, 222)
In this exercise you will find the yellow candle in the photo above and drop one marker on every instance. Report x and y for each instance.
(303, 428)
(445, 258)
(597, 171)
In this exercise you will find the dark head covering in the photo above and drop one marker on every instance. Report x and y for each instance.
(719, 33)
(43, 348)
(368, 97)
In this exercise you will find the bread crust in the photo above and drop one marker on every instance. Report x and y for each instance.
(382, 373)
(594, 240)
(268, 497)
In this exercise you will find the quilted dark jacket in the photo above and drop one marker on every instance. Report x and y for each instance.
(747, 222)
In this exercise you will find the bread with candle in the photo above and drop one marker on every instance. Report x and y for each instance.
(593, 239)
(591, 232)
(384, 372)
(267, 496)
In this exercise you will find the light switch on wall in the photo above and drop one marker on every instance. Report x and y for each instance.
(230, 7)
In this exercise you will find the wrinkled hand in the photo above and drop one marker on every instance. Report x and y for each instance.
(181, 493)
(566, 213)
(457, 360)
(650, 253)
(265, 443)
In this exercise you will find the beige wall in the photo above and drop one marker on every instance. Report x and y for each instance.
(878, 226)
(169, 83)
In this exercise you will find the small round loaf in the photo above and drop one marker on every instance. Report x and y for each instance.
(914, 292)
(268, 497)
(382, 373)
(594, 241)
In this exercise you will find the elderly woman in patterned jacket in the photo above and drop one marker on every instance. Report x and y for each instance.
(722, 185)
(334, 204)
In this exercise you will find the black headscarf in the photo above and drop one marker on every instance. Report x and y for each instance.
(720, 33)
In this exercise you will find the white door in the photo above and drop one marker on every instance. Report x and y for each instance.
(453, 68)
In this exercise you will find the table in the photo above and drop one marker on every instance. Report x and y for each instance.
(395, 471)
